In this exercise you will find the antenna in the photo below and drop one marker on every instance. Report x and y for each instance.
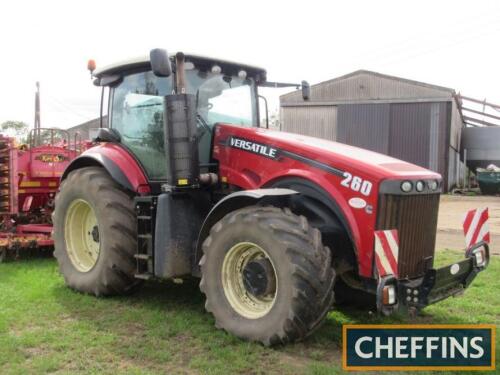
(37, 106)
(36, 132)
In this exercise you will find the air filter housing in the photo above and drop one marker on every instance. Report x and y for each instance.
(181, 143)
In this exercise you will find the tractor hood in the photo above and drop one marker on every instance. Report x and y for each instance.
(334, 154)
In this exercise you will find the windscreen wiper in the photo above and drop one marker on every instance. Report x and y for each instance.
(202, 121)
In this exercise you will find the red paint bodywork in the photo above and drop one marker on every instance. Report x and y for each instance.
(251, 171)
(123, 160)
(248, 170)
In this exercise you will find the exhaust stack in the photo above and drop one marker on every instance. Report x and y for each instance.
(181, 143)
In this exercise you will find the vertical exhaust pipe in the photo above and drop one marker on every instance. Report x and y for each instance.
(181, 143)
(180, 73)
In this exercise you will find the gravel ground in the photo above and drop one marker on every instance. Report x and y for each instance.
(451, 213)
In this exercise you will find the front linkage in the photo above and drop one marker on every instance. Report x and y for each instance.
(437, 284)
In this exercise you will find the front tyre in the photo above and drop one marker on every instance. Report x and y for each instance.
(266, 275)
(95, 233)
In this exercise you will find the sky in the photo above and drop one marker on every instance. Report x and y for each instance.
(449, 43)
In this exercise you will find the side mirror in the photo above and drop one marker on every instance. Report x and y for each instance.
(306, 90)
(160, 62)
(107, 135)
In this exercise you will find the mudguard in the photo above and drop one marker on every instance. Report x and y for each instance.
(118, 162)
(235, 201)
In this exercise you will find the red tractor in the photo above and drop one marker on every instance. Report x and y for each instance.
(29, 179)
(185, 183)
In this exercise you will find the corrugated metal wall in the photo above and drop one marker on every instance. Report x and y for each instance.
(317, 121)
(456, 126)
(410, 133)
(365, 126)
(414, 132)
(456, 169)
(86, 128)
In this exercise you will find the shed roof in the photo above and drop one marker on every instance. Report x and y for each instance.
(369, 85)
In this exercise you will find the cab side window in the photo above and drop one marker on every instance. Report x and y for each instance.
(137, 114)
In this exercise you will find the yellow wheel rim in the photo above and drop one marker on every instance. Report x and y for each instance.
(243, 302)
(81, 233)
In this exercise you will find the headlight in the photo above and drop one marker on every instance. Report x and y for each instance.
(406, 186)
(389, 295)
(433, 185)
(480, 257)
(420, 186)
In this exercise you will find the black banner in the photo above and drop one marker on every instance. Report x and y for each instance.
(419, 347)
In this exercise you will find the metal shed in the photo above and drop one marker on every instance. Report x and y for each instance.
(481, 146)
(413, 121)
(86, 129)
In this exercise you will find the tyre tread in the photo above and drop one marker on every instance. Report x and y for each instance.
(117, 276)
(313, 277)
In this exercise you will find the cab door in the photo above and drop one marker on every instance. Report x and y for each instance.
(136, 112)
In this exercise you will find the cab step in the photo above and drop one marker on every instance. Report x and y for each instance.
(144, 276)
(142, 256)
(146, 215)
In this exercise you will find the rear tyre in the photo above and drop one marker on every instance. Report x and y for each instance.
(95, 235)
(266, 275)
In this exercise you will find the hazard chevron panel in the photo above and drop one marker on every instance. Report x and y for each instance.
(387, 252)
(475, 226)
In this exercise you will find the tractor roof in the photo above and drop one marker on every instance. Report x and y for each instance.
(141, 62)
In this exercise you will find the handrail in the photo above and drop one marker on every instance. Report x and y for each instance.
(35, 134)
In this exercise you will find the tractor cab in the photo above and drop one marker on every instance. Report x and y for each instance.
(219, 92)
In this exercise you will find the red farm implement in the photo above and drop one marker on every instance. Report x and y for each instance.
(29, 179)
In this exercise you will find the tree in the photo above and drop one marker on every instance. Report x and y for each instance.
(18, 129)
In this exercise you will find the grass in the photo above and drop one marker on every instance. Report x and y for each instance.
(47, 328)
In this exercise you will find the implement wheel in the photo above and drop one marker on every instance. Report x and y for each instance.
(95, 233)
(266, 275)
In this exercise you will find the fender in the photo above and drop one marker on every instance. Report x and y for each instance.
(335, 219)
(320, 187)
(329, 194)
(118, 162)
(235, 201)
(325, 214)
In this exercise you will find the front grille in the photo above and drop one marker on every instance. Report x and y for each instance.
(415, 218)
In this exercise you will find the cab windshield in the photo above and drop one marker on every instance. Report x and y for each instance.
(137, 112)
(222, 98)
